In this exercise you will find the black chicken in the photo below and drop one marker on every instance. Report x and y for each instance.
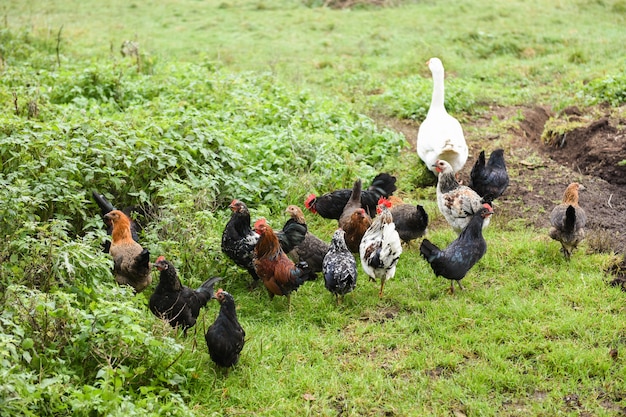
(311, 251)
(294, 230)
(238, 238)
(411, 221)
(106, 207)
(340, 271)
(225, 337)
(175, 303)
(460, 256)
(331, 205)
(489, 180)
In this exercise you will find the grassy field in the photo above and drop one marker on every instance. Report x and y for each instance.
(531, 335)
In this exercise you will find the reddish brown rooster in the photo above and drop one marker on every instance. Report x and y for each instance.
(279, 274)
(131, 262)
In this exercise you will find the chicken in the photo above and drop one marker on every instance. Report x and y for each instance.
(294, 230)
(278, 273)
(301, 245)
(462, 254)
(440, 136)
(456, 202)
(225, 338)
(568, 220)
(410, 220)
(381, 247)
(105, 207)
(331, 205)
(175, 303)
(489, 180)
(312, 250)
(354, 220)
(131, 262)
(339, 267)
(238, 238)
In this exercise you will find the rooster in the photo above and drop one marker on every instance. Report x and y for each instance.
(131, 262)
(175, 303)
(460, 256)
(331, 205)
(381, 246)
(278, 273)
(238, 238)
(354, 220)
(456, 202)
(339, 267)
(105, 207)
(489, 179)
(294, 230)
(410, 220)
(568, 220)
(225, 337)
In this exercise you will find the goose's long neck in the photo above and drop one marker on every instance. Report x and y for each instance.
(438, 92)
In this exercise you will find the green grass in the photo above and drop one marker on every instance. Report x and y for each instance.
(262, 100)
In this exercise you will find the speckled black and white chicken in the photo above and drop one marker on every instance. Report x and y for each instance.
(381, 247)
(458, 203)
(339, 267)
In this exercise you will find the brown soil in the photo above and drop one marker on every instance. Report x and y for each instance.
(539, 172)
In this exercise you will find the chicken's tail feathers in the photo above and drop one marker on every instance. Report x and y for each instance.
(104, 204)
(206, 287)
(496, 159)
(384, 184)
(142, 263)
(305, 273)
(570, 219)
(477, 169)
(421, 212)
(357, 188)
(144, 256)
(481, 158)
(428, 250)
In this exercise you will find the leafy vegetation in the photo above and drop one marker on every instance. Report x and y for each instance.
(265, 101)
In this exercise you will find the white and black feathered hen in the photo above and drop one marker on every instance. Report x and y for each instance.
(489, 179)
(460, 256)
(381, 246)
(456, 202)
(339, 267)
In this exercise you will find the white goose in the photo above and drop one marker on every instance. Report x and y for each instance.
(440, 135)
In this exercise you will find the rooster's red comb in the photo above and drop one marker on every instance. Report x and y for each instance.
(259, 222)
(384, 201)
(160, 258)
(309, 201)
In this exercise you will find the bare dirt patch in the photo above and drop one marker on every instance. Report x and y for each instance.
(539, 172)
